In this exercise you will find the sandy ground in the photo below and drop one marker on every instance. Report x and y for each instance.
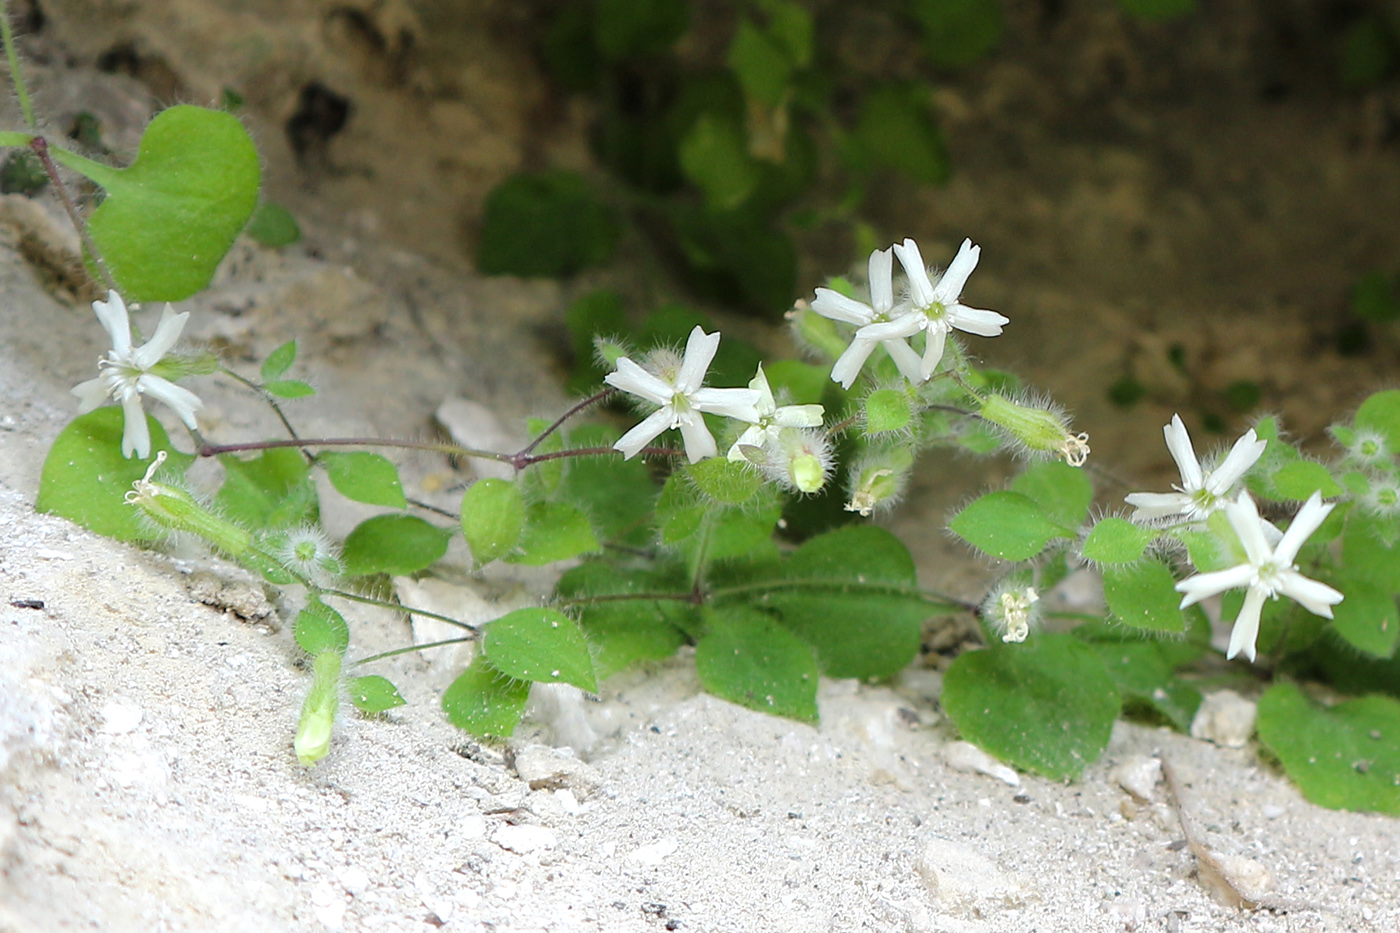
(146, 710)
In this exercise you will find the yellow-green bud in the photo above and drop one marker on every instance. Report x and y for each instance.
(808, 472)
(314, 729)
(173, 508)
(1038, 429)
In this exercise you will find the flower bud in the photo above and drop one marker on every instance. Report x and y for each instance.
(878, 478)
(817, 332)
(173, 508)
(1038, 429)
(800, 458)
(1011, 611)
(314, 729)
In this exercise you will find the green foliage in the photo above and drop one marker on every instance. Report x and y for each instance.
(1301, 478)
(493, 519)
(273, 226)
(554, 531)
(1144, 672)
(1158, 9)
(1368, 617)
(896, 131)
(485, 702)
(1142, 596)
(320, 628)
(85, 478)
(725, 482)
(1369, 53)
(544, 224)
(624, 631)
(271, 490)
(1062, 491)
(365, 477)
(1045, 706)
(1381, 412)
(373, 694)
(958, 32)
(393, 544)
(1116, 541)
(1376, 298)
(715, 158)
(617, 495)
(631, 28)
(747, 658)
(541, 645)
(1007, 525)
(171, 216)
(279, 361)
(1346, 757)
(591, 316)
(887, 410)
(289, 388)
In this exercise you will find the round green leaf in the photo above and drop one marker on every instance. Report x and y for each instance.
(541, 645)
(887, 410)
(394, 544)
(85, 477)
(493, 519)
(320, 628)
(171, 216)
(748, 658)
(485, 702)
(289, 388)
(1116, 541)
(1301, 478)
(1006, 525)
(1346, 757)
(547, 224)
(1144, 596)
(271, 490)
(273, 226)
(554, 531)
(1367, 617)
(373, 694)
(1045, 706)
(1063, 491)
(365, 477)
(279, 361)
(725, 481)
(1381, 412)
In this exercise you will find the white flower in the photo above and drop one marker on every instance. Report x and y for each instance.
(126, 374)
(934, 307)
(1269, 571)
(1200, 493)
(874, 323)
(772, 419)
(680, 394)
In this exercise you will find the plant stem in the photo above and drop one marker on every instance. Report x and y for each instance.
(272, 402)
(591, 400)
(40, 147)
(420, 647)
(16, 75)
(400, 607)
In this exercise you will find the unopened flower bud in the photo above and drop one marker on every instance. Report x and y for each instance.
(314, 729)
(1038, 429)
(799, 458)
(817, 332)
(173, 508)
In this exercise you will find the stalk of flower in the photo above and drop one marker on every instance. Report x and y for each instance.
(875, 323)
(935, 308)
(772, 418)
(677, 388)
(127, 373)
(1200, 492)
(1268, 572)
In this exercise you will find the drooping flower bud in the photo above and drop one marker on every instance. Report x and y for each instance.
(314, 729)
(878, 479)
(173, 508)
(1038, 429)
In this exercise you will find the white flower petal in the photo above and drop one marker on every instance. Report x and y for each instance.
(1246, 630)
(633, 379)
(933, 352)
(1204, 585)
(136, 435)
(699, 351)
(920, 288)
(799, 416)
(910, 366)
(954, 278)
(1307, 521)
(1244, 518)
(881, 269)
(731, 403)
(976, 321)
(180, 400)
(111, 314)
(699, 443)
(848, 366)
(163, 341)
(759, 383)
(644, 433)
(752, 437)
(1154, 505)
(91, 394)
(906, 325)
(1179, 443)
(1246, 452)
(832, 304)
(1313, 595)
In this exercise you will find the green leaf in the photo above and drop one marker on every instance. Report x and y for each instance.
(485, 702)
(1143, 673)
(273, 226)
(554, 531)
(493, 519)
(288, 388)
(791, 26)
(762, 65)
(1367, 617)
(887, 410)
(617, 495)
(724, 481)
(548, 224)
(394, 544)
(805, 383)
(1117, 541)
(629, 28)
(738, 256)
(895, 130)
(623, 632)
(1346, 757)
(320, 628)
(1301, 478)
(747, 658)
(171, 216)
(1063, 491)
(1006, 525)
(1381, 412)
(1143, 596)
(271, 490)
(1368, 55)
(1045, 706)
(595, 314)
(373, 694)
(365, 477)
(715, 157)
(279, 361)
(1367, 555)
(540, 645)
(852, 594)
(958, 32)
(85, 477)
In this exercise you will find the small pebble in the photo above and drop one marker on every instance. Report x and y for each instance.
(1138, 775)
(524, 839)
(966, 757)
(1225, 718)
(963, 880)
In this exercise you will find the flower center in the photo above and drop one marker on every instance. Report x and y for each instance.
(936, 311)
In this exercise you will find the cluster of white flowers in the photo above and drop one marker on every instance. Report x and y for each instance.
(1268, 570)
(127, 373)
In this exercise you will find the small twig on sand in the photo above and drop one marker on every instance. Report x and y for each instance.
(1216, 872)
